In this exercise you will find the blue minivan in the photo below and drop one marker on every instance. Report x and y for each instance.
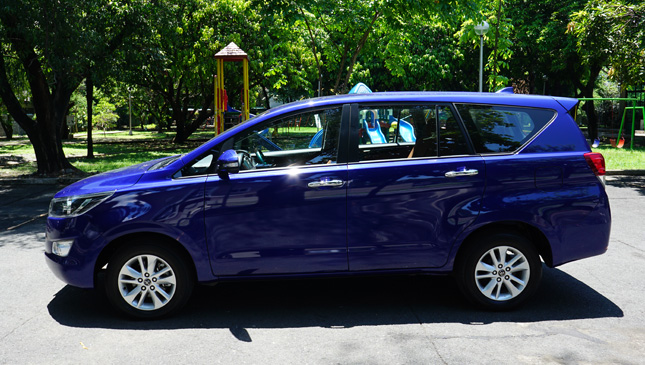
(487, 187)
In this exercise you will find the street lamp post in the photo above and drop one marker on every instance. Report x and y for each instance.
(130, 108)
(481, 29)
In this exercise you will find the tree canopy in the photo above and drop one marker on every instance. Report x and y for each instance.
(614, 30)
(162, 52)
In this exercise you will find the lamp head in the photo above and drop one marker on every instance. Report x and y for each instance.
(482, 28)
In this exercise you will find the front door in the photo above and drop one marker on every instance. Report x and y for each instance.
(286, 213)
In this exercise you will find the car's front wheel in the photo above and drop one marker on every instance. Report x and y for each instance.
(499, 271)
(148, 281)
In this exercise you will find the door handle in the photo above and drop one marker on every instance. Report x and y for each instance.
(471, 172)
(326, 184)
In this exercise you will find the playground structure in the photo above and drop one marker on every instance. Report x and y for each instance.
(373, 126)
(230, 53)
(620, 140)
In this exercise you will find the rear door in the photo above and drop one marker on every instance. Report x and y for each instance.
(410, 195)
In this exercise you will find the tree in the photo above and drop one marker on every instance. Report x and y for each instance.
(284, 63)
(595, 49)
(615, 31)
(20, 84)
(425, 54)
(374, 39)
(545, 56)
(105, 117)
(56, 44)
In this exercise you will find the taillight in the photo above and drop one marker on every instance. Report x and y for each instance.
(596, 162)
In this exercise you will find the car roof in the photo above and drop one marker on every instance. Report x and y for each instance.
(540, 101)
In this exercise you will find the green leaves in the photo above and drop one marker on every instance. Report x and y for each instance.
(615, 31)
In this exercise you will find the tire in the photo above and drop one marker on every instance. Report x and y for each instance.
(148, 281)
(499, 271)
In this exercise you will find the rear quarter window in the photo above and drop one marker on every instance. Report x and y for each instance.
(495, 129)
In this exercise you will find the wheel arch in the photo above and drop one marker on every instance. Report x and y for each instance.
(132, 239)
(531, 233)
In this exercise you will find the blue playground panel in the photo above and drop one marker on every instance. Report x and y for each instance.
(406, 131)
(374, 134)
(316, 140)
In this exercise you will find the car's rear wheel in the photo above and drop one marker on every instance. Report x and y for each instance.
(148, 281)
(499, 271)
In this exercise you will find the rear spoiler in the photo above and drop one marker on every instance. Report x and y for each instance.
(567, 103)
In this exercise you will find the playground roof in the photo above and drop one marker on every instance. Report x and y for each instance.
(231, 53)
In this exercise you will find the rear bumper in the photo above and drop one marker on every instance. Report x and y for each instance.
(587, 237)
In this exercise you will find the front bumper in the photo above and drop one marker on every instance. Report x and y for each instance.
(78, 267)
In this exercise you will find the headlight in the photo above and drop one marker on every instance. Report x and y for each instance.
(76, 205)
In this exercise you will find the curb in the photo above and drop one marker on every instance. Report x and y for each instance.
(39, 180)
(625, 173)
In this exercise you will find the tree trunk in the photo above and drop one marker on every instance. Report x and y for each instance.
(180, 121)
(64, 129)
(587, 92)
(345, 87)
(51, 108)
(315, 51)
(201, 117)
(592, 119)
(267, 102)
(8, 129)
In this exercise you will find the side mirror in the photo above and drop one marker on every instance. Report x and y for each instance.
(228, 163)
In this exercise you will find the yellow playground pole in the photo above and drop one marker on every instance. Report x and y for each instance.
(246, 88)
(220, 97)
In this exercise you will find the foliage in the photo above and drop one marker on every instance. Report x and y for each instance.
(390, 44)
(104, 116)
(280, 59)
(429, 57)
(161, 53)
(614, 30)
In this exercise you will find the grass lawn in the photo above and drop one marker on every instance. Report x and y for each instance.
(116, 155)
(623, 158)
(111, 151)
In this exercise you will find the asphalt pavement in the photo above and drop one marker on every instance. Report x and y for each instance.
(589, 311)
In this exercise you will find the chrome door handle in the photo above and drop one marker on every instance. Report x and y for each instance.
(326, 184)
(471, 172)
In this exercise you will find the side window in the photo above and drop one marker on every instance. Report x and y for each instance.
(496, 129)
(451, 138)
(409, 131)
(300, 139)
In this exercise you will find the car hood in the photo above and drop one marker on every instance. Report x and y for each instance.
(108, 181)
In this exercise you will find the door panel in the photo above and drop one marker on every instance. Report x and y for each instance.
(272, 222)
(410, 197)
(406, 214)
